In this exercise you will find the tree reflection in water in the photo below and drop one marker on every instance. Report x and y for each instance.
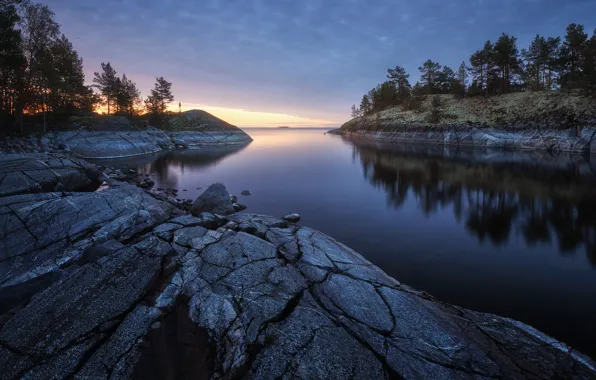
(548, 200)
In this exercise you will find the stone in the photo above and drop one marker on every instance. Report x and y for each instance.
(146, 184)
(215, 199)
(28, 173)
(233, 198)
(238, 207)
(246, 192)
(292, 218)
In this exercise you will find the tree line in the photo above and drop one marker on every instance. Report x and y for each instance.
(500, 67)
(41, 73)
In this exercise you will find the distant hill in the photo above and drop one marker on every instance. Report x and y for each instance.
(197, 120)
(283, 127)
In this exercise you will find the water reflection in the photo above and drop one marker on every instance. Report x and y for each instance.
(544, 198)
(170, 167)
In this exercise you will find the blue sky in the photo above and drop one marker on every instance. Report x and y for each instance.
(307, 58)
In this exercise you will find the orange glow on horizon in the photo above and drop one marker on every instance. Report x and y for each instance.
(245, 118)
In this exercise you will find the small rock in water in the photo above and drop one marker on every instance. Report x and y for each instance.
(239, 207)
(184, 190)
(234, 198)
(292, 218)
(246, 192)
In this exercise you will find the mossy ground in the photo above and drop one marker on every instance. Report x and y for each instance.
(554, 109)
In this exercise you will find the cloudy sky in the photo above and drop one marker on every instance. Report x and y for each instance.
(293, 62)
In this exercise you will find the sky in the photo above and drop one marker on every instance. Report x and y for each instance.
(293, 62)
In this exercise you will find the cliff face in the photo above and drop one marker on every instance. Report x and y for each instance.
(544, 120)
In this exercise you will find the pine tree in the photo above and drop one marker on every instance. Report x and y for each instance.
(462, 75)
(355, 112)
(365, 105)
(506, 59)
(12, 63)
(429, 73)
(571, 56)
(589, 63)
(107, 84)
(157, 102)
(445, 79)
(40, 31)
(553, 48)
(126, 95)
(400, 78)
(482, 68)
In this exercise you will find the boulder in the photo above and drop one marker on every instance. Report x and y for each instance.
(215, 199)
(246, 192)
(239, 207)
(292, 218)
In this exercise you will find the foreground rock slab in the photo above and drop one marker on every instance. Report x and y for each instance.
(150, 293)
(36, 173)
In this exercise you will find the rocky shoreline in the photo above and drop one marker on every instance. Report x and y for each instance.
(111, 137)
(475, 137)
(124, 283)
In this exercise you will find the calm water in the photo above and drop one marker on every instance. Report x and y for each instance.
(511, 234)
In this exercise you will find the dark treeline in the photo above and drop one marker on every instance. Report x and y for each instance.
(549, 63)
(41, 73)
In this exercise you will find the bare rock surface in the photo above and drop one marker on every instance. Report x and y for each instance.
(117, 137)
(35, 173)
(117, 284)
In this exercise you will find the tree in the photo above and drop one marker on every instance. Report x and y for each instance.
(399, 78)
(462, 76)
(65, 79)
(589, 63)
(365, 105)
(553, 48)
(161, 96)
(429, 72)
(445, 79)
(40, 32)
(535, 59)
(12, 62)
(355, 112)
(481, 63)
(126, 95)
(107, 84)
(572, 51)
(506, 59)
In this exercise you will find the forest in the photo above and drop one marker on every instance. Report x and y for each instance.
(42, 77)
(500, 67)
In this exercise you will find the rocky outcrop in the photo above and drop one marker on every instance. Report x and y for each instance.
(113, 144)
(552, 121)
(21, 174)
(470, 136)
(119, 284)
(101, 136)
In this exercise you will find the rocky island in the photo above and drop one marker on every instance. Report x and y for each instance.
(550, 121)
(123, 283)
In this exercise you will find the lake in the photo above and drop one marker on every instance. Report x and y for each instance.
(507, 233)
